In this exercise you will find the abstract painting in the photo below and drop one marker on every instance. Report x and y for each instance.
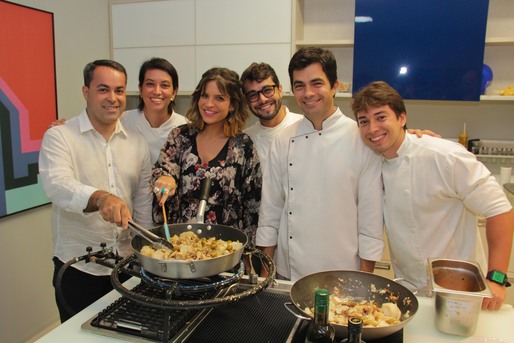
(28, 102)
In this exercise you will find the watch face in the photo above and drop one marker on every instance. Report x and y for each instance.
(498, 277)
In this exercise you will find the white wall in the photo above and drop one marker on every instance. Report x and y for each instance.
(26, 293)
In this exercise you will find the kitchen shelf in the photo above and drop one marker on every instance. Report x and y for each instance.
(329, 43)
(496, 156)
(497, 98)
(499, 41)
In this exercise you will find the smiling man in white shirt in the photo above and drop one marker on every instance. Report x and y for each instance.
(263, 93)
(96, 173)
(434, 190)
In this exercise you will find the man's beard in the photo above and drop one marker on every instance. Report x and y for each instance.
(268, 117)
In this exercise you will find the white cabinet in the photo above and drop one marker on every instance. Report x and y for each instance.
(499, 50)
(196, 35)
(239, 56)
(330, 24)
(242, 22)
(143, 30)
(153, 24)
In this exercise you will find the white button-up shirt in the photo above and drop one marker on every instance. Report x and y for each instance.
(156, 137)
(321, 199)
(434, 190)
(74, 162)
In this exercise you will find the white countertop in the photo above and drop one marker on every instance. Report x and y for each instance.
(420, 329)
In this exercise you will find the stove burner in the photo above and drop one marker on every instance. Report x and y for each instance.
(160, 309)
(182, 285)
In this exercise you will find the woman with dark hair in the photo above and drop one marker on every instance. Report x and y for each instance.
(212, 145)
(154, 118)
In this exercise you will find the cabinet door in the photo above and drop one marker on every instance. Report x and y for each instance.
(182, 58)
(239, 57)
(153, 23)
(243, 21)
(149, 29)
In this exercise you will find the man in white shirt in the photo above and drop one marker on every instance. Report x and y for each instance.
(321, 205)
(96, 173)
(434, 190)
(263, 93)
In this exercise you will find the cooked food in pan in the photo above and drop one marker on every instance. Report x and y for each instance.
(343, 307)
(188, 246)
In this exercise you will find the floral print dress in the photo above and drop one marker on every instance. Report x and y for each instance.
(236, 181)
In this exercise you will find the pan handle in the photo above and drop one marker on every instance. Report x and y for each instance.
(206, 188)
(292, 308)
(412, 287)
(204, 196)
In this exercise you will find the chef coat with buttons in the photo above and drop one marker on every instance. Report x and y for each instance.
(322, 199)
(434, 190)
(262, 136)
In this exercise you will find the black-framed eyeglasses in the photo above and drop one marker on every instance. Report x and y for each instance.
(267, 91)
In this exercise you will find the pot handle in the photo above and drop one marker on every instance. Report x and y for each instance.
(414, 289)
(292, 308)
(204, 196)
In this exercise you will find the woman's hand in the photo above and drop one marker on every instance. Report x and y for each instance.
(164, 187)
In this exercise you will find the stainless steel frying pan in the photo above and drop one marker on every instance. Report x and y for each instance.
(358, 285)
(181, 269)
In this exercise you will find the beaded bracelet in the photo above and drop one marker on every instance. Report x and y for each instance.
(101, 200)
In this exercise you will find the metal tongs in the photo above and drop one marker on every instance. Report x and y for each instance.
(157, 242)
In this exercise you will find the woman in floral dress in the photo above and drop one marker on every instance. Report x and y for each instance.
(211, 145)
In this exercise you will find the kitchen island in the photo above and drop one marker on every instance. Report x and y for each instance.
(420, 329)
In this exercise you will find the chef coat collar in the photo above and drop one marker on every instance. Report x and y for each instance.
(328, 122)
(402, 150)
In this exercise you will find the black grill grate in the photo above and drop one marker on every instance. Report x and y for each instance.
(150, 321)
(260, 319)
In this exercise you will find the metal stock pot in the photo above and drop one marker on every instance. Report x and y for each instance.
(360, 285)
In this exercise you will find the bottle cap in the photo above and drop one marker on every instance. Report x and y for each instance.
(354, 324)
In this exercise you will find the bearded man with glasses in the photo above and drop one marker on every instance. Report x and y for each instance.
(263, 93)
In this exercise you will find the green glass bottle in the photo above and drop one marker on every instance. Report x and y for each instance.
(320, 330)
(354, 331)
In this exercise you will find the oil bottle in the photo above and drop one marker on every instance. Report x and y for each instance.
(320, 330)
(463, 137)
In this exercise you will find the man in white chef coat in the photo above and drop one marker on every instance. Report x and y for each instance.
(263, 93)
(97, 175)
(434, 190)
(321, 205)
